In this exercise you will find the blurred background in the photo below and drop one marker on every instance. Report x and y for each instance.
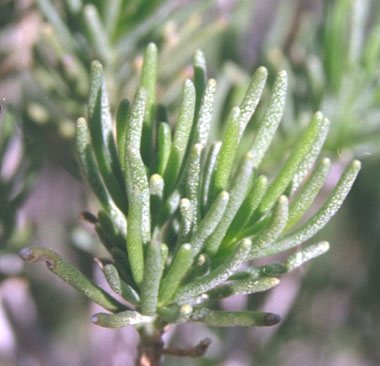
(331, 51)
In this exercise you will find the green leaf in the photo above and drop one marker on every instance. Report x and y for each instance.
(208, 172)
(288, 170)
(310, 158)
(134, 237)
(308, 193)
(209, 222)
(63, 32)
(200, 267)
(216, 276)
(121, 129)
(104, 238)
(139, 181)
(164, 250)
(123, 266)
(200, 76)
(257, 272)
(151, 281)
(306, 254)
(120, 320)
(97, 33)
(102, 140)
(248, 207)
(156, 189)
(135, 120)
(323, 215)
(119, 286)
(177, 271)
(181, 136)
(88, 164)
(148, 82)
(164, 147)
(193, 181)
(187, 219)
(107, 223)
(237, 193)
(111, 12)
(226, 154)
(271, 119)
(274, 227)
(205, 113)
(252, 97)
(234, 318)
(246, 287)
(72, 276)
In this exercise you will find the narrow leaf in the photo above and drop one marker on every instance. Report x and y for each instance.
(308, 193)
(217, 275)
(72, 276)
(248, 207)
(246, 287)
(200, 76)
(209, 222)
(139, 181)
(233, 319)
(120, 320)
(100, 127)
(310, 158)
(151, 281)
(112, 11)
(97, 33)
(205, 113)
(60, 27)
(164, 147)
(305, 254)
(193, 181)
(187, 217)
(181, 136)
(274, 228)
(257, 272)
(177, 271)
(208, 171)
(135, 120)
(252, 97)
(88, 164)
(156, 189)
(121, 129)
(320, 219)
(288, 170)
(119, 286)
(237, 193)
(226, 154)
(134, 237)
(148, 82)
(271, 119)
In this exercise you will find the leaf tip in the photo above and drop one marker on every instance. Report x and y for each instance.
(26, 254)
(263, 70)
(95, 319)
(271, 319)
(356, 164)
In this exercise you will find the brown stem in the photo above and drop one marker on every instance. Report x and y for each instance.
(150, 349)
(198, 351)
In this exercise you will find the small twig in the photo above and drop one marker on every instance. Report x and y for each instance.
(198, 351)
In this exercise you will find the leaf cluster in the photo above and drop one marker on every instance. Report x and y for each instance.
(181, 217)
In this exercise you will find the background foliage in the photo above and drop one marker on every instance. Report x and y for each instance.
(331, 52)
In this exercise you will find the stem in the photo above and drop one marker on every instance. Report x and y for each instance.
(151, 346)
